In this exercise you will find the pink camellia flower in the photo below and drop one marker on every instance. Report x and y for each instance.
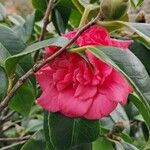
(77, 88)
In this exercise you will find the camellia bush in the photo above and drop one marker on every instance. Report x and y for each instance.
(74, 75)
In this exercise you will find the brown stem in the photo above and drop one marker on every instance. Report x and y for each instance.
(7, 116)
(45, 23)
(36, 67)
(14, 139)
(8, 127)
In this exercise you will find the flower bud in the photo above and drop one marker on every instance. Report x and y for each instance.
(114, 9)
(140, 18)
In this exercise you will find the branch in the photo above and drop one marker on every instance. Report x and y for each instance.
(8, 127)
(13, 145)
(37, 67)
(45, 23)
(7, 116)
(14, 139)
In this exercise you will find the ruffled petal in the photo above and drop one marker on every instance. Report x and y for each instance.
(44, 76)
(116, 87)
(49, 99)
(101, 107)
(85, 92)
(72, 106)
(100, 68)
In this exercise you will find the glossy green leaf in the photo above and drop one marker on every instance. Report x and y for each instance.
(84, 3)
(16, 19)
(142, 52)
(102, 144)
(75, 18)
(38, 15)
(61, 14)
(24, 30)
(23, 99)
(141, 107)
(64, 132)
(40, 4)
(131, 110)
(37, 142)
(11, 45)
(10, 40)
(12, 61)
(125, 146)
(3, 55)
(136, 3)
(79, 7)
(119, 115)
(142, 27)
(85, 146)
(2, 12)
(3, 83)
(32, 125)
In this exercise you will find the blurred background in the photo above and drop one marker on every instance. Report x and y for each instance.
(24, 7)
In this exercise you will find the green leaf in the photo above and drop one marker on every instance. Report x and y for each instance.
(11, 45)
(64, 132)
(3, 55)
(32, 125)
(37, 142)
(23, 99)
(136, 3)
(16, 19)
(142, 27)
(24, 30)
(84, 3)
(125, 146)
(141, 107)
(86, 146)
(75, 18)
(38, 15)
(12, 61)
(61, 14)
(3, 83)
(40, 4)
(103, 144)
(2, 12)
(119, 115)
(79, 7)
(131, 110)
(10, 40)
(142, 53)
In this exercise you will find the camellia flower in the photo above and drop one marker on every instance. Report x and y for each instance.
(77, 88)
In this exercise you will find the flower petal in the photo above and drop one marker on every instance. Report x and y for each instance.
(49, 99)
(123, 44)
(72, 106)
(44, 76)
(116, 87)
(101, 107)
(85, 92)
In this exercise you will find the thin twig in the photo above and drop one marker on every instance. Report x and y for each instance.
(14, 139)
(36, 67)
(45, 23)
(7, 116)
(11, 125)
(4, 112)
(13, 145)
